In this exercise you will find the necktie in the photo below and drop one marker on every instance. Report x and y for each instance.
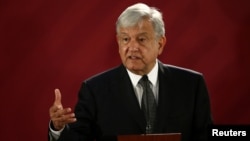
(148, 104)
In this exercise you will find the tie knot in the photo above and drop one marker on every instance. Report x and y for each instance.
(144, 80)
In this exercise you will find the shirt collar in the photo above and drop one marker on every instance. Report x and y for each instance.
(152, 76)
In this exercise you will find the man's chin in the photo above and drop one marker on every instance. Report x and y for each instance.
(135, 69)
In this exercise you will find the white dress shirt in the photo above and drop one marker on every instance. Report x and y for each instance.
(153, 78)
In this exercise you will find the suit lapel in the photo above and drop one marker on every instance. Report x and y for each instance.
(164, 102)
(128, 99)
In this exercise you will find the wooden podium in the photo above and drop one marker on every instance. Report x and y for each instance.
(151, 137)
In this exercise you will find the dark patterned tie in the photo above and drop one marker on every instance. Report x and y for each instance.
(148, 104)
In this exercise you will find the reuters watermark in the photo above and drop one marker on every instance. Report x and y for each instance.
(237, 132)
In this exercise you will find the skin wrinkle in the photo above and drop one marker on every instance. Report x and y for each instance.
(139, 46)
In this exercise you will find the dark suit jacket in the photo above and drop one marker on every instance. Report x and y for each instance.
(107, 106)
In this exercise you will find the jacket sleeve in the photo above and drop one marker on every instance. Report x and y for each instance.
(84, 127)
(203, 117)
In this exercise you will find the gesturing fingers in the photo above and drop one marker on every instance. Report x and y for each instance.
(57, 101)
(65, 117)
(60, 113)
(62, 117)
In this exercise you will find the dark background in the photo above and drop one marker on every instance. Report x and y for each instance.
(48, 44)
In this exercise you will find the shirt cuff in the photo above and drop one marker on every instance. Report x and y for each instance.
(53, 133)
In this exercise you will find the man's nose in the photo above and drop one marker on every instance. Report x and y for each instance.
(133, 45)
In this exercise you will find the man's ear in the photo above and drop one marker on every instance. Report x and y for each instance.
(162, 42)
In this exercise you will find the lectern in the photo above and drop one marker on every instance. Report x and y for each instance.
(151, 137)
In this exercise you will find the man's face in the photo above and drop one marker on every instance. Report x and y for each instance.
(139, 47)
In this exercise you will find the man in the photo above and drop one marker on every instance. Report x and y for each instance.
(112, 103)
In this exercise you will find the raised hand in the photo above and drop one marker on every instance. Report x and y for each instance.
(60, 116)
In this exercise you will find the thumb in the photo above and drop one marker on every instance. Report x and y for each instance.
(57, 101)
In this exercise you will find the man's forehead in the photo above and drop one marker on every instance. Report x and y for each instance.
(124, 33)
(137, 30)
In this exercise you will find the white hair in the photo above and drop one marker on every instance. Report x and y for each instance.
(138, 12)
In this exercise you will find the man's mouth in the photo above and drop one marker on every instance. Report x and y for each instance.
(134, 57)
